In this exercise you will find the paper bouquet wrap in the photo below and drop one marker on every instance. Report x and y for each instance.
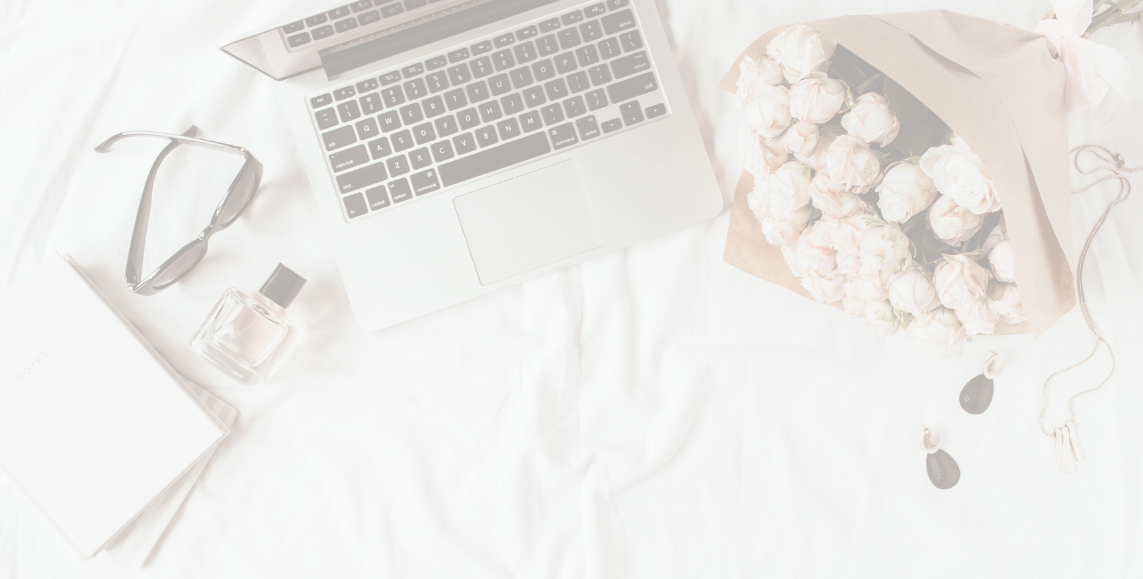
(996, 87)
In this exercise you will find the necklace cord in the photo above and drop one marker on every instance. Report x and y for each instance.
(1117, 166)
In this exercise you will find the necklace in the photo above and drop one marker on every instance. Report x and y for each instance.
(1068, 450)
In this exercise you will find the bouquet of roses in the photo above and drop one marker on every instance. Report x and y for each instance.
(878, 205)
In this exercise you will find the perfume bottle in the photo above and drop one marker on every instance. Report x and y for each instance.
(247, 336)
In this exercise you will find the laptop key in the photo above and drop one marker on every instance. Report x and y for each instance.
(402, 141)
(521, 77)
(320, 101)
(371, 103)
(366, 85)
(412, 114)
(348, 111)
(420, 158)
(556, 89)
(534, 97)
(437, 82)
(477, 92)
(345, 25)
(596, 99)
(490, 111)
(615, 4)
(322, 32)
(591, 31)
(398, 165)
(425, 183)
(455, 99)
(525, 52)
(593, 11)
(338, 13)
(588, 128)
(315, 20)
(392, 10)
(465, 143)
(544, 70)
(369, 17)
(415, 89)
(390, 78)
(446, 126)
(600, 75)
(508, 129)
(459, 74)
(468, 118)
(339, 138)
(572, 18)
(563, 136)
(424, 133)
(494, 159)
(393, 96)
(413, 70)
(610, 48)
(360, 178)
(656, 111)
(481, 67)
(349, 158)
(486, 136)
(550, 25)
(565, 63)
(547, 45)
(499, 85)
(531, 121)
(390, 121)
(298, 39)
(552, 114)
(612, 125)
(587, 55)
(569, 38)
(629, 65)
(414, 4)
(503, 60)
(326, 118)
(400, 191)
(435, 63)
(632, 87)
(434, 106)
(482, 47)
(575, 107)
(442, 151)
(361, 5)
(631, 41)
(526, 33)
(343, 93)
(632, 113)
(379, 148)
(513, 103)
(504, 40)
(618, 22)
(458, 55)
(366, 129)
(377, 197)
(578, 82)
(355, 206)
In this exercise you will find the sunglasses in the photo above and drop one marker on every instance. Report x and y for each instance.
(238, 197)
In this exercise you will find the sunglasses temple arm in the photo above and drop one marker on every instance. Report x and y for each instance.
(221, 147)
(134, 268)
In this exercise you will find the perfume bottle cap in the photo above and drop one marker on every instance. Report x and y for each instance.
(283, 286)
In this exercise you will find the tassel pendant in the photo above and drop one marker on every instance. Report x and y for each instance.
(1074, 440)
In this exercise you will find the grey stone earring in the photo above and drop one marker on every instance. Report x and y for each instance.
(943, 470)
(977, 394)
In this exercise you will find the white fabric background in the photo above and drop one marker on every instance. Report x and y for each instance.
(654, 413)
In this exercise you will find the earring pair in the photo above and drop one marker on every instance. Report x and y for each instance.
(975, 398)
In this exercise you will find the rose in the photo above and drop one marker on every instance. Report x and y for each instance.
(800, 51)
(809, 254)
(884, 249)
(978, 318)
(1003, 262)
(832, 198)
(994, 237)
(786, 229)
(938, 332)
(825, 230)
(872, 120)
(769, 113)
(818, 98)
(755, 74)
(960, 281)
(850, 162)
(801, 138)
(853, 306)
(847, 242)
(951, 222)
(787, 189)
(913, 293)
(761, 157)
(960, 174)
(824, 287)
(827, 134)
(1005, 301)
(904, 192)
(868, 287)
(882, 319)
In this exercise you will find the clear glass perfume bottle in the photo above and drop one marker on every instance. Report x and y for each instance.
(248, 336)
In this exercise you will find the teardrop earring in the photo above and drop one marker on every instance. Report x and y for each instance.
(976, 396)
(943, 470)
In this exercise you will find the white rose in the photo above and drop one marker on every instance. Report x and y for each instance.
(753, 75)
(852, 163)
(884, 249)
(960, 174)
(978, 318)
(801, 51)
(801, 138)
(818, 98)
(761, 157)
(787, 189)
(833, 199)
(810, 255)
(904, 192)
(786, 229)
(853, 306)
(882, 319)
(827, 134)
(1005, 301)
(912, 292)
(847, 242)
(868, 287)
(826, 288)
(872, 120)
(825, 230)
(769, 113)
(1003, 262)
(952, 223)
(938, 332)
(960, 281)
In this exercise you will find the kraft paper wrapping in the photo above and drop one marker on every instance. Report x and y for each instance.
(1001, 89)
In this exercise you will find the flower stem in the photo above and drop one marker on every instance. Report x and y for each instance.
(1115, 14)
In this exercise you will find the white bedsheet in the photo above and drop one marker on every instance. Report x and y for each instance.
(650, 414)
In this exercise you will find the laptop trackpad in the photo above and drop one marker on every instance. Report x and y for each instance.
(527, 222)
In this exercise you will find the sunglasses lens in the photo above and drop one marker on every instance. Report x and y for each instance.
(179, 267)
(237, 201)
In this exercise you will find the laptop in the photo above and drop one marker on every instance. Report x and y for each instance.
(458, 147)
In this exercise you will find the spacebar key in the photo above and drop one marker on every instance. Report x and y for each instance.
(494, 159)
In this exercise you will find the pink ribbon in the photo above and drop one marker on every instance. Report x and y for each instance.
(1093, 70)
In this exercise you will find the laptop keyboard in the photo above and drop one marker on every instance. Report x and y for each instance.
(344, 19)
(515, 97)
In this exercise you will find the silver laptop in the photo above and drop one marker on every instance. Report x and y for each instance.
(457, 147)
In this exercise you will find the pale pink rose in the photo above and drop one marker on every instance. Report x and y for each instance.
(952, 223)
(912, 292)
(818, 98)
(1005, 301)
(825, 230)
(853, 306)
(833, 199)
(827, 134)
(978, 318)
(938, 332)
(753, 75)
(961, 174)
(769, 113)
(904, 192)
(801, 138)
(882, 319)
(811, 255)
(867, 287)
(852, 163)
(872, 120)
(801, 51)
(761, 157)
(788, 228)
(848, 242)
(1003, 262)
(960, 281)
(787, 189)
(884, 249)
(824, 287)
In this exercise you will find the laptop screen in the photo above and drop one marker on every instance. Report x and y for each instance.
(338, 60)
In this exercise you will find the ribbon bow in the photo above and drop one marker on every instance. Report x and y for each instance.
(1093, 69)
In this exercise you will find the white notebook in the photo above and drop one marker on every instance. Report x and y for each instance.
(95, 427)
